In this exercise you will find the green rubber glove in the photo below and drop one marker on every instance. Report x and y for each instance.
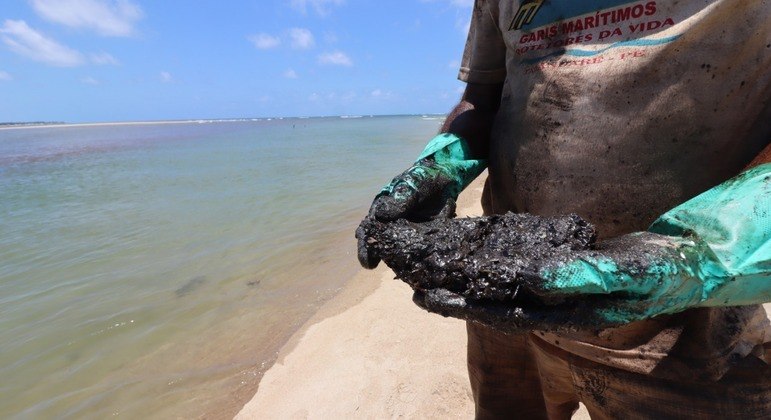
(714, 250)
(425, 191)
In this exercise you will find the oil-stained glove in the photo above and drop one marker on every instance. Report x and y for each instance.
(713, 250)
(425, 191)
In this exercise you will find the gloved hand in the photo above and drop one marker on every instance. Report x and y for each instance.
(425, 191)
(714, 250)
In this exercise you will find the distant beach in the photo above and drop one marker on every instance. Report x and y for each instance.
(60, 124)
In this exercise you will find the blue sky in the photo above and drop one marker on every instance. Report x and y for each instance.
(130, 60)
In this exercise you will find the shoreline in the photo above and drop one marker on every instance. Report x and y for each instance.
(225, 259)
(370, 352)
(203, 249)
(327, 262)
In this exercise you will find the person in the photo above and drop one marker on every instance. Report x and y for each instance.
(634, 115)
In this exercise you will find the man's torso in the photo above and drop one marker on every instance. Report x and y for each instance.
(618, 111)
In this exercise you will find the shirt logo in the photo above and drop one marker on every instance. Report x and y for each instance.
(525, 14)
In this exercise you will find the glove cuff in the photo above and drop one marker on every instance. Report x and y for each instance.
(452, 155)
(734, 221)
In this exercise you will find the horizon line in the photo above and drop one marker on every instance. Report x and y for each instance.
(56, 124)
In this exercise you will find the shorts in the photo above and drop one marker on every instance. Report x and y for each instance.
(523, 376)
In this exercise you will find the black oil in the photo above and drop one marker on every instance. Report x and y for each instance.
(481, 269)
(478, 258)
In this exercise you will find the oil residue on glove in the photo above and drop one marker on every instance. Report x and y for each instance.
(477, 258)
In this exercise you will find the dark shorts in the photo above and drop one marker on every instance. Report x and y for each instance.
(523, 376)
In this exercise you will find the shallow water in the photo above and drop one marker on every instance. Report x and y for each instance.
(155, 269)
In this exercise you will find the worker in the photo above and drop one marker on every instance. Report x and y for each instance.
(650, 120)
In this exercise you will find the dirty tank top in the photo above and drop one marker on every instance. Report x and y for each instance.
(619, 111)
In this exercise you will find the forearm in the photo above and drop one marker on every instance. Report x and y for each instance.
(763, 157)
(755, 286)
(450, 161)
(472, 119)
(733, 225)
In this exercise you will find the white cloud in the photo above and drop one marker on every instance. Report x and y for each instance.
(4, 75)
(166, 77)
(89, 81)
(321, 7)
(23, 40)
(104, 59)
(380, 94)
(301, 38)
(106, 17)
(290, 74)
(264, 41)
(336, 58)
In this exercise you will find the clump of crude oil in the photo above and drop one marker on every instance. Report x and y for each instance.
(477, 258)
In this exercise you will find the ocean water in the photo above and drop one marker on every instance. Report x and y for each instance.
(152, 270)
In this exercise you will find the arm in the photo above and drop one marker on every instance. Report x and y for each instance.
(472, 119)
(713, 250)
(451, 160)
(763, 157)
